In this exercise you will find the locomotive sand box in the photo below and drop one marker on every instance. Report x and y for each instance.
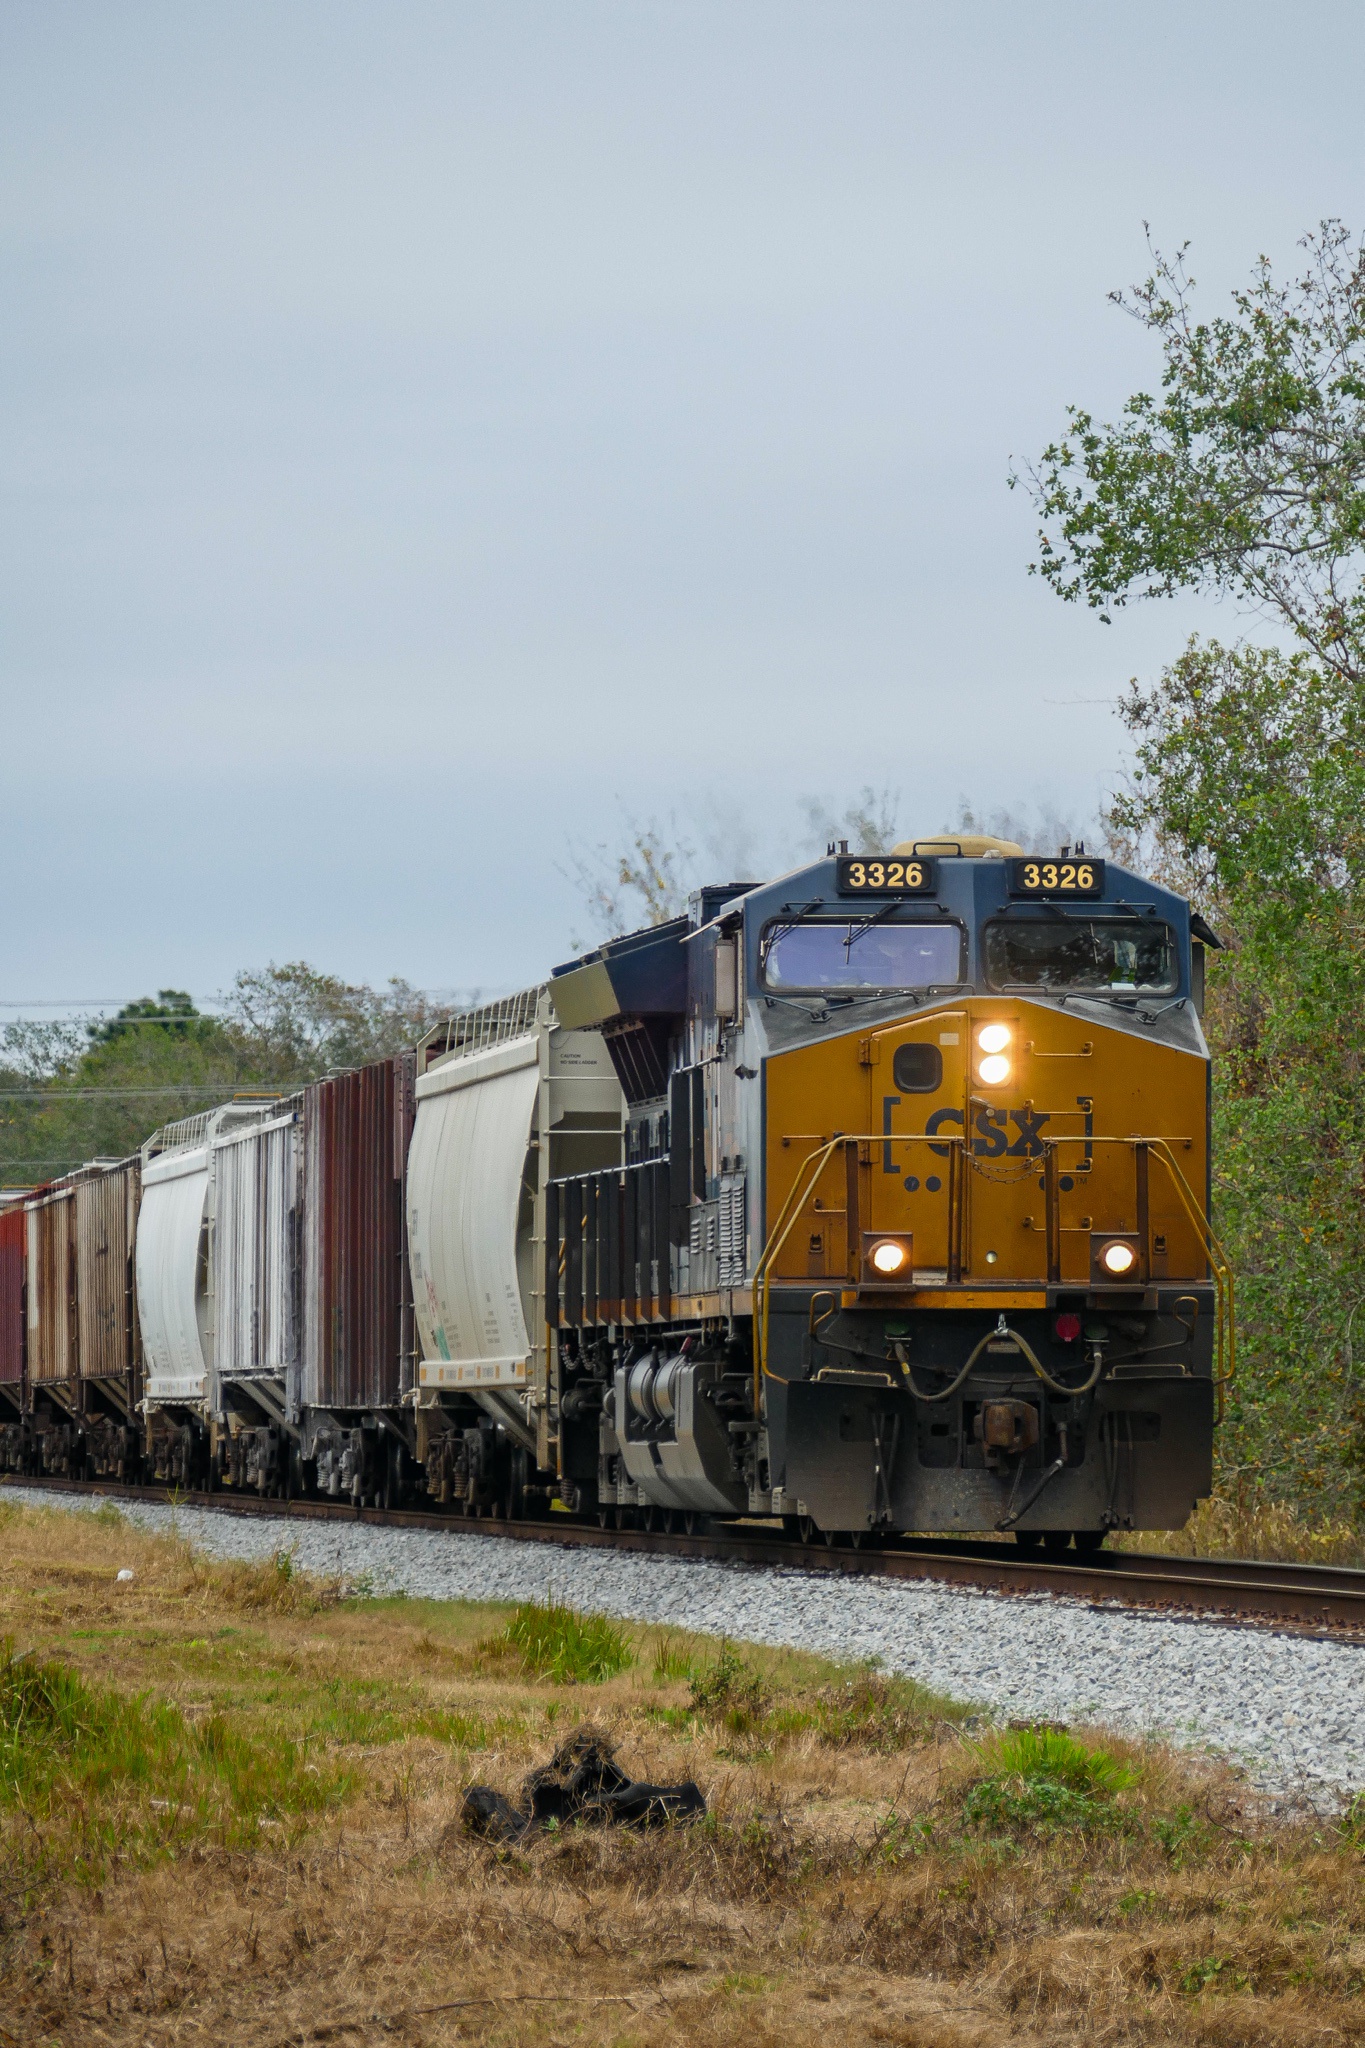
(874, 1198)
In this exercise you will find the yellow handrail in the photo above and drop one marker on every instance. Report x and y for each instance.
(1225, 1342)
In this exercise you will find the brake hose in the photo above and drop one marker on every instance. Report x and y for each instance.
(1002, 1329)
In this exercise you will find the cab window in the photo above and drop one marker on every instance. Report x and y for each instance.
(1107, 956)
(820, 954)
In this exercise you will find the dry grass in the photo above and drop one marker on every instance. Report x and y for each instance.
(870, 1869)
(1254, 1528)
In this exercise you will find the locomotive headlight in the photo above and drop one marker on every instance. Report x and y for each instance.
(992, 1062)
(887, 1259)
(1115, 1255)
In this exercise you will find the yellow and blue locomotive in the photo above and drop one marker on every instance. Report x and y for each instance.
(874, 1198)
(911, 1231)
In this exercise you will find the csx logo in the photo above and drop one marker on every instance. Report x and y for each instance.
(995, 1132)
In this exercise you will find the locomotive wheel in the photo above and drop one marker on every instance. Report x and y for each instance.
(805, 1528)
(1028, 1539)
(1056, 1541)
(1089, 1542)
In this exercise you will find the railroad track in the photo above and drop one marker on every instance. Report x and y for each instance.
(1323, 1600)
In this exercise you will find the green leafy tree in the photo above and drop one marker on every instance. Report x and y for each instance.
(1246, 475)
(293, 1024)
(1246, 478)
(1250, 775)
(69, 1093)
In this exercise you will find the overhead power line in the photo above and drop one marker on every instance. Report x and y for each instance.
(85, 1002)
(102, 1094)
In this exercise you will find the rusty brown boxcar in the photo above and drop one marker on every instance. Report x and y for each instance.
(357, 1315)
(12, 1298)
(106, 1315)
(81, 1320)
(51, 1259)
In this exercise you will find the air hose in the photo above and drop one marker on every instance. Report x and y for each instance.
(1002, 1329)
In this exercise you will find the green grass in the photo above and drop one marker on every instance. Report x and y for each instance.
(1042, 1780)
(87, 1772)
(551, 1640)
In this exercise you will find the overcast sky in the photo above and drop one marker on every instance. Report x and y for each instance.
(431, 434)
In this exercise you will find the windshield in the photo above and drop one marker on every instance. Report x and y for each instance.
(1116, 955)
(853, 954)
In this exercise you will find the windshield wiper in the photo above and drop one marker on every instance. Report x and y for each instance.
(855, 932)
(899, 995)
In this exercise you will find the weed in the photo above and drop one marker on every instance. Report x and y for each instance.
(1212, 1973)
(552, 1640)
(1182, 1834)
(730, 1691)
(1046, 1781)
(273, 1585)
(871, 1711)
(670, 1662)
(1351, 1826)
(1258, 1528)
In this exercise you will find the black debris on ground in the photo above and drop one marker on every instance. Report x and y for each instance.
(582, 1782)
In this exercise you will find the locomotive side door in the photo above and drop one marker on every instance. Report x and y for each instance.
(917, 1073)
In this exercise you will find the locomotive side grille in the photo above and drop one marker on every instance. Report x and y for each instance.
(733, 1236)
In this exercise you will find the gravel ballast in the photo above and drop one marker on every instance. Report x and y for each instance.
(1290, 1709)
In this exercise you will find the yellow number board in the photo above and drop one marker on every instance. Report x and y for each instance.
(884, 875)
(1058, 877)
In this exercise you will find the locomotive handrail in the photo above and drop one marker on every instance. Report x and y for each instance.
(1225, 1336)
(1225, 1352)
(783, 1226)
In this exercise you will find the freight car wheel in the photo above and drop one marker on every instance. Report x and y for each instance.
(805, 1528)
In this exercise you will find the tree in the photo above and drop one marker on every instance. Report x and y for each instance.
(1246, 477)
(868, 823)
(69, 1092)
(293, 1023)
(648, 879)
(646, 882)
(172, 1015)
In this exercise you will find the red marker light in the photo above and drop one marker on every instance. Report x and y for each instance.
(1068, 1329)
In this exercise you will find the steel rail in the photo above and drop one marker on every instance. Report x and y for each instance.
(1309, 1598)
